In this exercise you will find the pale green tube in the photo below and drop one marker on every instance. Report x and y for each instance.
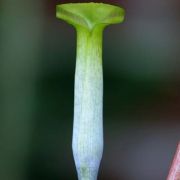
(88, 128)
(89, 19)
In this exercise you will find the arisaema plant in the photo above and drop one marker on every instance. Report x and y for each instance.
(89, 20)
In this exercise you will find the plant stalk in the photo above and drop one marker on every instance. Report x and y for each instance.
(174, 173)
(88, 126)
(89, 19)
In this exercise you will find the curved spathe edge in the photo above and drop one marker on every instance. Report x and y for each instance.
(89, 15)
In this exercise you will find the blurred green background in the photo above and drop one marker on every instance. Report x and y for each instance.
(141, 91)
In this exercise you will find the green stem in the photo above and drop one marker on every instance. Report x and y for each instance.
(89, 19)
(88, 128)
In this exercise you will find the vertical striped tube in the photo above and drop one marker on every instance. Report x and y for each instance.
(88, 126)
(89, 19)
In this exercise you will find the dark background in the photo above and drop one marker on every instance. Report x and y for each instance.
(141, 91)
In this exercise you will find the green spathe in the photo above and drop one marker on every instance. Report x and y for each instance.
(89, 19)
(89, 15)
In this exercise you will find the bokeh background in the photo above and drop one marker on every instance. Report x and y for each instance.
(141, 91)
